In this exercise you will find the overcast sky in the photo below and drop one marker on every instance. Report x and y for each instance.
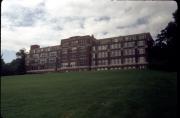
(46, 22)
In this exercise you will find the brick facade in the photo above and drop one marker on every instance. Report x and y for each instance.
(81, 53)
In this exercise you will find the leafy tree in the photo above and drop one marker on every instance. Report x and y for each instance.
(2, 65)
(21, 61)
(163, 54)
(16, 66)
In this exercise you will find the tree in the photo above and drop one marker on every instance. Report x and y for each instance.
(164, 52)
(21, 55)
(2, 65)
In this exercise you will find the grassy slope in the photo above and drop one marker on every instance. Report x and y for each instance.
(113, 94)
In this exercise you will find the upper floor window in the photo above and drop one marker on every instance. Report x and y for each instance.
(33, 51)
(102, 47)
(64, 51)
(43, 61)
(93, 55)
(37, 51)
(129, 44)
(53, 54)
(141, 43)
(35, 55)
(52, 60)
(65, 43)
(133, 37)
(142, 36)
(74, 48)
(94, 48)
(43, 55)
(115, 40)
(116, 53)
(129, 52)
(102, 54)
(115, 46)
(141, 51)
(48, 49)
(126, 38)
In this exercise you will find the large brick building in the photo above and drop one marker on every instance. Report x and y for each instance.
(82, 53)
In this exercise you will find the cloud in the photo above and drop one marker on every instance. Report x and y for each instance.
(23, 16)
(46, 22)
(103, 18)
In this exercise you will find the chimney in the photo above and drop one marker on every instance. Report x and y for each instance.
(34, 47)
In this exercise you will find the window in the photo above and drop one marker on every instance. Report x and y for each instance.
(37, 51)
(133, 60)
(132, 51)
(72, 64)
(141, 43)
(74, 48)
(52, 54)
(129, 44)
(82, 48)
(125, 44)
(115, 46)
(115, 61)
(126, 38)
(64, 64)
(130, 60)
(43, 55)
(133, 37)
(52, 60)
(36, 60)
(102, 62)
(64, 51)
(35, 55)
(142, 36)
(102, 47)
(115, 40)
(141, 51)
(116, 53)
(129, 52)
(102, 54)
(93, 55)
(43, 61)
(34, 51)
(94, 48)
(65, 43)
(93, 63)
(141, 60)
(75, 42)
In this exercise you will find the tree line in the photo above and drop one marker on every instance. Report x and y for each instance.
(162, 54)
(16, 66)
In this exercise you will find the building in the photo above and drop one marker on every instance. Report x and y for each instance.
(82, 53)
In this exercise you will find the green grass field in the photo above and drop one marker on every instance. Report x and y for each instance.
(105, 94)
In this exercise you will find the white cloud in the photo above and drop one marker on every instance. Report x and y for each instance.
(46, 22)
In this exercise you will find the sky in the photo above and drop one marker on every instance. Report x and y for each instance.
(46, 22)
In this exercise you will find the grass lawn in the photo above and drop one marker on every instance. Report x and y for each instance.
(105, 94)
